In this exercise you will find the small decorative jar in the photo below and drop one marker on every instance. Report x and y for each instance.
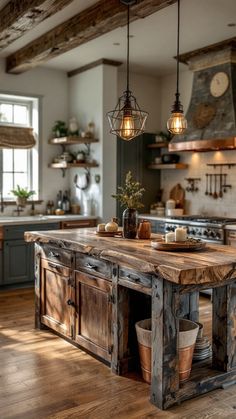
(144, 230)
(73, 126)
(130, 223)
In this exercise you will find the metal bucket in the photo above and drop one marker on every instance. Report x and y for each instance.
(188, 331)
(144, 336)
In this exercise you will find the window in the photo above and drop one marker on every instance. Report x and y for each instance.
(18, 166)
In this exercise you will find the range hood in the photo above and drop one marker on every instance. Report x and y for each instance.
(211, 114)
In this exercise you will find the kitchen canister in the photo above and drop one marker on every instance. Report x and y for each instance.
(170, 204)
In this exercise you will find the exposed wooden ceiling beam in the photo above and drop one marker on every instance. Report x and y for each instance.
(19, 16)
(104, 16)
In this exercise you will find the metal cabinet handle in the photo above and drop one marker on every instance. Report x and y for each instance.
(50, 265)
(53, 255)
(70, 303)
(133, 277)
(89, 266)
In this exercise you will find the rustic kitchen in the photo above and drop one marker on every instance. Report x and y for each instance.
(117, 209)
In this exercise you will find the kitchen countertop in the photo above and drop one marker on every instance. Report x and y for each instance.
(230, 227)
(42, 219)
(212, 265)
(153, 217)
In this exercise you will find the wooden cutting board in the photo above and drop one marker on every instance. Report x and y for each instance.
(178, 193)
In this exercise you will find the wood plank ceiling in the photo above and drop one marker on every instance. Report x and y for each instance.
(20, 16)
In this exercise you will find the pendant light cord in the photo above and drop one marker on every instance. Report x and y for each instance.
(177, 83)
(127, 49)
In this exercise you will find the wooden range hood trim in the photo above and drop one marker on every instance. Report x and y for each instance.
(204, 145)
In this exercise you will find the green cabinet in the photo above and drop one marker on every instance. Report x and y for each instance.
(135, 156)
(17, 256)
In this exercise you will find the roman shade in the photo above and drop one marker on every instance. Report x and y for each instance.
(16, 137)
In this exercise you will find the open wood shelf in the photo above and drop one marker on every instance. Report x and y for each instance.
(70, 165)
(158, 145)
(168, 166)
(203, 378)
(70, 140)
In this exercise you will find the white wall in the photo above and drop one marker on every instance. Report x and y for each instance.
(147, 90)
(52, 87)
(92, 93)
(198, 202)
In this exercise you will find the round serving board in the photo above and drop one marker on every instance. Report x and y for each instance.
(109, 233)
(189, 245)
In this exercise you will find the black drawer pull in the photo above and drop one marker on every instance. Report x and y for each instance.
(53, 255)
(70, 303)
(50, 265)
(89, 266)
(133, 277)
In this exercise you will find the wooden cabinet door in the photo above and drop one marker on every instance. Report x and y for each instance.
(56, 297)
(93, 314)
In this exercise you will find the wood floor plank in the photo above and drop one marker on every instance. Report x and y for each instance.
(44, 377)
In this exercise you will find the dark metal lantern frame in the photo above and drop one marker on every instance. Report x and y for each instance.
(177, 108)
(127, 106)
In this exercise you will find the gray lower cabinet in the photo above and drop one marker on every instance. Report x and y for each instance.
(18, 262)
(17, 256)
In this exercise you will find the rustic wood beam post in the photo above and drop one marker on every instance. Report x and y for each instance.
(19, 16)
(224, 327)
(102, 17)
(165, 329)
(120, 325)
(37, 275)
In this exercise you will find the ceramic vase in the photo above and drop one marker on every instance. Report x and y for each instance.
(130, 223)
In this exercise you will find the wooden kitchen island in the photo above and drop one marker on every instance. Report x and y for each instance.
(92, 290)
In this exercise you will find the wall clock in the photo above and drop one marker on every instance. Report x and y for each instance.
(219, 84)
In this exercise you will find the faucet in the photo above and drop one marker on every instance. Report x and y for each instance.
(18, 209)
(2, 202)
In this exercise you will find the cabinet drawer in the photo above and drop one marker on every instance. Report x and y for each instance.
(139, 278)
(78, 224)
(57, 255)
(92, 265)
(17, 231)
(55, 268)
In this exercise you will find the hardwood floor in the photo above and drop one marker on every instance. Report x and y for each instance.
(43, 376)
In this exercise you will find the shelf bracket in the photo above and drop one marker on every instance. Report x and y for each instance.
(63, 172)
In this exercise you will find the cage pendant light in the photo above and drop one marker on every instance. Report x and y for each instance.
(177, 123)
(127, 120)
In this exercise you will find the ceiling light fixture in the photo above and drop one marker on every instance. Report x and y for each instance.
(177, 123)
(127, 120)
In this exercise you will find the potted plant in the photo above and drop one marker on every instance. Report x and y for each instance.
(130, 197)
(59, 129)
(22, 194)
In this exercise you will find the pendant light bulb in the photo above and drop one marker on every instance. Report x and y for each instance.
(177, 122)
(127, 128)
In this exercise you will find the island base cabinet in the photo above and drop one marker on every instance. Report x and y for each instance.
(56, 297)
(93, 314)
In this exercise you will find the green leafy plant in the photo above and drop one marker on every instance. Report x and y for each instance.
(166, 135)
(131, 194)
(22, 192)
(59, 129)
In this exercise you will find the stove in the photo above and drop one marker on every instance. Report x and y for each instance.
(209, 229)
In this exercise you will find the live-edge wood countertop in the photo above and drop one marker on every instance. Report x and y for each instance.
(215, 264)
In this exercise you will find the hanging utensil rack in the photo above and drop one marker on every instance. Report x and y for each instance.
(220, 187)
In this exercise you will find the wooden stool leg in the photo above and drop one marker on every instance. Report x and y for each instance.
(224, 327)
(165, 374)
